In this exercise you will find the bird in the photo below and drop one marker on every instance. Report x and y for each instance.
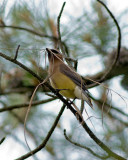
(65, 79)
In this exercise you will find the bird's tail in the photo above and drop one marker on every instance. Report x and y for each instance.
(81, 94)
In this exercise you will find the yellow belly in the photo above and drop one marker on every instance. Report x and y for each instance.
(60, 81)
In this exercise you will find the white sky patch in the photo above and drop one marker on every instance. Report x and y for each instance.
(117, 6)
(90, 65)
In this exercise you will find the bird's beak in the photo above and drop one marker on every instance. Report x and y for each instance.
(49, 53)
(48, 50)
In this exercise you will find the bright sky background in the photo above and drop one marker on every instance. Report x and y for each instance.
(72, 7)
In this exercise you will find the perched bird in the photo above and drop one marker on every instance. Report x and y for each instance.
(65, 79)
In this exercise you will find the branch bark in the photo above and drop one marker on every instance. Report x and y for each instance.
(84, 147)
(43, 144)
(28, 30)
(58, 26)
(109, 70)
(9, 108)
(84, 125)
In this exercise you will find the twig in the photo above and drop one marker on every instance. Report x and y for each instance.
(120, 111)
(18, 90)
(2, 140)
(19, 119)
(111, 114)
(58, 22)
(107, 105)
(68, 59)
(43, 144)
(84, 125)
(17, 139)
(20, 65)
(8, 132)
(35, 33)
(100, 143)
(16, 52)
(29, 108)
(114, 117)
(28, 30)
(25, 105)
(109, 70)
(58, 26)
(82, 146)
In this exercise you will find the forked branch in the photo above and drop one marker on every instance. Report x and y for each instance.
(84, 125)
(109, 70)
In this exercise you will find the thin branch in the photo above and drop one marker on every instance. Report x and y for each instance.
(109, 70)
(111, 114)
(8, 132)
(100, 143)
(108, 106)
(69, 60)
(114, 117)
(20, 65)
(58, 22)
(84, 125)
(119, 111)
(18, 90)
(35, 33)
(60, 44)
(16, 55)
(25, 105)
(28, 30)
(43, 144)
(2, 140)
(84, 147)
(17, 139)
(19, 119)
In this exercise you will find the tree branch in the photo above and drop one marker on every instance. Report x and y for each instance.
(84, 125)
(2, 140)
(18, 90)
(108, 110)
(58, 22)
(16, 52)
(84, 147)
(35, 33)
(28, 30)
(109, 70)
(43, 144)
(100, 143)
(108, 106)
(25, 105)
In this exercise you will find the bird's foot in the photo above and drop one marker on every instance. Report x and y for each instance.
(58, 90)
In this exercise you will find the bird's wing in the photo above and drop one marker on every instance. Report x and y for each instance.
(78, 81)
(73, 76)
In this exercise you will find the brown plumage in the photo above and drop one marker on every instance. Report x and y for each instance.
(65, 79)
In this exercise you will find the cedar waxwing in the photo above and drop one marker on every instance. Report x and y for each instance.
(65, 79)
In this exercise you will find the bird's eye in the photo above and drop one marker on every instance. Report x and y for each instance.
(55, 51)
